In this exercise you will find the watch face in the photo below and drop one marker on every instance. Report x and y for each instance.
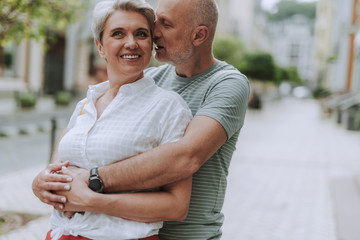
(95, 184)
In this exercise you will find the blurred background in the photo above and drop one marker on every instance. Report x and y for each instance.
(294, 174)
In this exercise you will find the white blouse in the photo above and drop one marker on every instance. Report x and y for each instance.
(140, 117)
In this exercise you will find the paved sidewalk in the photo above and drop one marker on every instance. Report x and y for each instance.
(279, 179)
(16, 196)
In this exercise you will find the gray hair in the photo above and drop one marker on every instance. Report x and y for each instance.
(104, 9)
(207, 14)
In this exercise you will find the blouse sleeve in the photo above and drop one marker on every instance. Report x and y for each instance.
(177, 116)
(78, 109)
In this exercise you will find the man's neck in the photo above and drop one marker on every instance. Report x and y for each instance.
(195, 66)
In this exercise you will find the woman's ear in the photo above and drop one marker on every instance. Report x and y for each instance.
(100, 49)
(200, 35)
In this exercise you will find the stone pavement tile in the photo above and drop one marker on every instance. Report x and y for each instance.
(278, 203)
(35, 230)
(347, 207)
(16, 196)
(16, 192)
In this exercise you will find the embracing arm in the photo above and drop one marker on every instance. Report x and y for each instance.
(169, 162)
(171, 203)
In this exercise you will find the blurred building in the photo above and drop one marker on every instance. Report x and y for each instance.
(337, 51)
(244, 19)
(72, 62)
(292, 42)
(323, 44)
(355, 40)
(356, 73)
(24, 65)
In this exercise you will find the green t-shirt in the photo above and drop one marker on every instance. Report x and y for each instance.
(222, 93)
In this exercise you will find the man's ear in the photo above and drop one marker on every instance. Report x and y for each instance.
(200, 35)
(100, 49)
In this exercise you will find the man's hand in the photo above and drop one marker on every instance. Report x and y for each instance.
(80, 192)
(49, 180)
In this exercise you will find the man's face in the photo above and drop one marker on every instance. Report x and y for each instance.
(172, 33)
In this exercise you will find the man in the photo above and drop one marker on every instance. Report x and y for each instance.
(217, 95)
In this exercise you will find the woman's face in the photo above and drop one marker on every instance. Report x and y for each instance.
(126, 44)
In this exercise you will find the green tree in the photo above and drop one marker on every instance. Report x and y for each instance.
(229, 49)
(288, 8)
(259, 66)
(25, 19)
(288, 74)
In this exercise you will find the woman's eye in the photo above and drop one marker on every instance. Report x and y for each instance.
(142, 34)
(117, 34)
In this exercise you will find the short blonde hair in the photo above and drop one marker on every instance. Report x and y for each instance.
(104, 9)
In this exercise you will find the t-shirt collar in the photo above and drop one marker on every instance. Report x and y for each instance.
(188, 79)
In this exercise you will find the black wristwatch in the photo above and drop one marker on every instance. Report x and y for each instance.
(95, 182)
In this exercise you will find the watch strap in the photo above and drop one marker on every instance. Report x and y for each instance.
(94, 172)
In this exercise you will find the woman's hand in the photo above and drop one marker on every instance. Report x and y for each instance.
(48, 181)
(77, 198)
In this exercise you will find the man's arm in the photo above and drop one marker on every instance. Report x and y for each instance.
(162, 165)
(170, 203)
(167, 163)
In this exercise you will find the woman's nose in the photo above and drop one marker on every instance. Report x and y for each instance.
(131, 43)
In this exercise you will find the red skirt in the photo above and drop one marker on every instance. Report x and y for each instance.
(70, 237)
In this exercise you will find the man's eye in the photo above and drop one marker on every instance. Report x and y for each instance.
(165, 23)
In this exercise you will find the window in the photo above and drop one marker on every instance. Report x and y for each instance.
(294, 54)
(8, 61)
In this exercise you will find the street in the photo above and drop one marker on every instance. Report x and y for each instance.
(278, 184)
(24, 151)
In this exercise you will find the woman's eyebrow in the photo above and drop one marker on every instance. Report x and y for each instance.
(143, 29)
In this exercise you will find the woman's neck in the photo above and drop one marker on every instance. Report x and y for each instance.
(117, 80)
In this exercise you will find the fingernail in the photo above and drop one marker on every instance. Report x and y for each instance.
(63, 167)
(67, 187)
(61, 206)
(69, 178)
(63, 199)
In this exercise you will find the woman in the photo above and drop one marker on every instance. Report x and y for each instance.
(122, 117)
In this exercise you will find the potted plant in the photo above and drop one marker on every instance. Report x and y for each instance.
(26, 99)
(63, 98)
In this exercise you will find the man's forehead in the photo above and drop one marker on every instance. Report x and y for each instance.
(164, 5)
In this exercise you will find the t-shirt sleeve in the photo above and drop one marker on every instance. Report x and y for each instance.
(176, 118)
(226, 102)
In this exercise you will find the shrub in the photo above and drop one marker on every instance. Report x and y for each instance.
(260, 66)
(63, 98)
(321, 92)
(26, 99)
(357, 120)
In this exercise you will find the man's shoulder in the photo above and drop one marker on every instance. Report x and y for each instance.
(156, 71)
(226, 73)
(223, 70)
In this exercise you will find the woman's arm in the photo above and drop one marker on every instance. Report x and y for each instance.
(171, 203)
